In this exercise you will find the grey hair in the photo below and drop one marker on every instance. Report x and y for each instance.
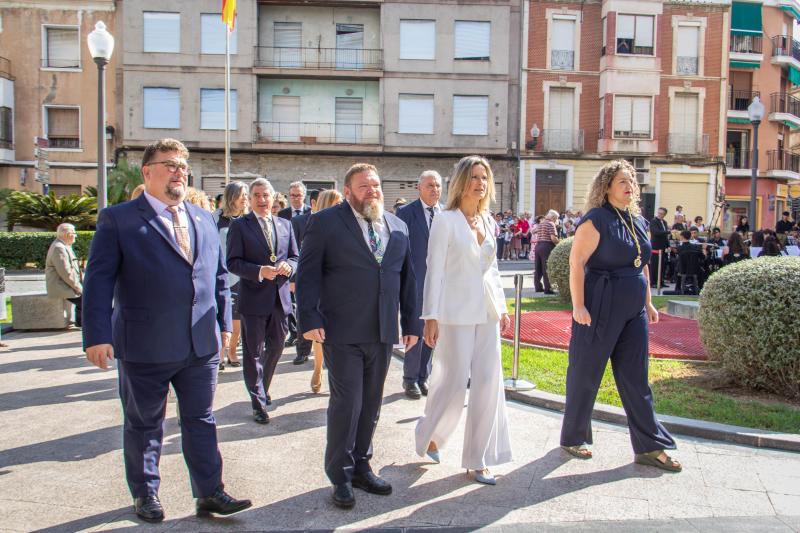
(299, 184)
(232, 193)
(64, 229)
(261, 182)
(552, 214)
(431, 173)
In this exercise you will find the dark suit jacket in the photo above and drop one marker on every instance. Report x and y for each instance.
(299, 224)
(247, 252)
(416, 218)
(342, 288)
(659, 234)
(164, 309)
(287, 212)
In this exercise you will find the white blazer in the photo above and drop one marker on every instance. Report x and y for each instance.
(456, 291)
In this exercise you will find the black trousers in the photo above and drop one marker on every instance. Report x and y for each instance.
(540, 279)
(78, 303)
(356, 374)
(263, 338)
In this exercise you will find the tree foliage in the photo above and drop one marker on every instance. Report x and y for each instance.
(48, 211)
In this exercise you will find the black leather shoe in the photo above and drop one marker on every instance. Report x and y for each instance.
(221, 503)
(261, 417)
(149, 509)
(268, 400)
(423, 388)
(412, 391)
(343, 496)
(371, 483)
(291, 341)
(300, 359)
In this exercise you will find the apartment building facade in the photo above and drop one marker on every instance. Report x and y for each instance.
(318, 86)
(644, 81)
(48, 89)
(764, 62)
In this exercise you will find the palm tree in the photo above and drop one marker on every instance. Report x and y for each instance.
(48, 211)
(122, 179)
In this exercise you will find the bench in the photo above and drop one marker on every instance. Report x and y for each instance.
(39, 311)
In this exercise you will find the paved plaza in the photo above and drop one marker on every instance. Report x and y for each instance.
(61, 465)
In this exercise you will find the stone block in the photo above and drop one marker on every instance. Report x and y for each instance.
(684, 308)
(39, 311)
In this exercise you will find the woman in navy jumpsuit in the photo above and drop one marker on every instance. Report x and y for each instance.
(611, 311)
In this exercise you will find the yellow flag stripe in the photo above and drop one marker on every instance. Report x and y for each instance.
(229, 13)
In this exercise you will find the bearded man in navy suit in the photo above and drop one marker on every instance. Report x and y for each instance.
(418, 216)
(262, 251)
(156, 298)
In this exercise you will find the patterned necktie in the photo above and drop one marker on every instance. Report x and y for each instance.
(181, 233)
(374, 242)
(266, 227)
(430, 210)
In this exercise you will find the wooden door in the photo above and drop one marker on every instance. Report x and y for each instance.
(551, 191)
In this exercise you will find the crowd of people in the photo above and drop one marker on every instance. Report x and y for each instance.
(173, 283)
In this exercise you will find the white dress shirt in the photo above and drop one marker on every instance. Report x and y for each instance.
(165, 216)
(425, 207)
(379, 226)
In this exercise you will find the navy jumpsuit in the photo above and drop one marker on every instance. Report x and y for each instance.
(615, 295)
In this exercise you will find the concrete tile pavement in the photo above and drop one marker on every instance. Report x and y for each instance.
(61, 465)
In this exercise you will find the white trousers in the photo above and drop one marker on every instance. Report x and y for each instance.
(462, 353)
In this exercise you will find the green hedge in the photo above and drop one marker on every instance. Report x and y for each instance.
(558, 268)
(18, 250)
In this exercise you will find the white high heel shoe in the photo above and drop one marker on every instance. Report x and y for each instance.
(484, 476)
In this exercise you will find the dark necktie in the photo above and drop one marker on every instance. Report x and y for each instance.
(431, 211)
(296, 212)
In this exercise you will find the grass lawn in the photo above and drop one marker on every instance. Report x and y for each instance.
(687, 389)
(554, 303)
(8, 311)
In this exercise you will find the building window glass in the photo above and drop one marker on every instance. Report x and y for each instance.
(62, 48)
(415, 113)
(635, 34)
(470, 115)
(162, 108)
(603, 46)
(212, 34)
(688, 44)
(6, 127)
(63, 127)
(562, 44)
(162, 32)
(212, 109)
(472, 40)
(632, 117)
(417, 39)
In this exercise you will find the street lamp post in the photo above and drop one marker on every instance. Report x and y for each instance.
(755, 111)
(101, 46)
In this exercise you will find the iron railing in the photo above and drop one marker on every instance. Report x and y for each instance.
(785, 45)
(49, 62)
(5, 67)
(737, 158)
(562, 60)
(784, 103)
(739, 100)
(560, 141)
(627, 46)
(319, 58)
(316, 133)
(687, 144)
(783, 160)
(687, 65)
(745, 44)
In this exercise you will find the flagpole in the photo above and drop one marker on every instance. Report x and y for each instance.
(227, 105)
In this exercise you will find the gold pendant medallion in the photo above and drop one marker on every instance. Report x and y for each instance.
(274, 258)
(637, 262)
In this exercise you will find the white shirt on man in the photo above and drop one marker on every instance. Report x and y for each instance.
(426, 208)
(378, 226)
(165, 216)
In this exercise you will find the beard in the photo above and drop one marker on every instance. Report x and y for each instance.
(371, 209)
(176, 193)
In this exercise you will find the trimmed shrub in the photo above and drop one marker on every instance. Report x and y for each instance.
(748, 322)
(17, 250)
(558, 268)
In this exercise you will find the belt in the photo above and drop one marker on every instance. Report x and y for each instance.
(602, 294)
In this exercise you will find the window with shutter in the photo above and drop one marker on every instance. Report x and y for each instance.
(350, 46)
(162, 108)
(417, 39)
(6, 127)
(415, 113)
(470, 115)
(472, 40)
(562, 44)
(212, 109)
(213, 33)
(62, 48)
(63, 127)
(688, 43)
(684, 137)
(349, 113)
(162, 32)
(635, 34)
(288, 42)
(641, 117)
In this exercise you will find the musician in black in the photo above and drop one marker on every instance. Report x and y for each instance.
(659, 239)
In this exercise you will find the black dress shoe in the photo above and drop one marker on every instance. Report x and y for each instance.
(291, 341)
(221, 503)
(261, 417)
(423, 388)
(149, 509)
(268, 400)
(371, 483)
(300, 359)
(412, 391)
(343, 496)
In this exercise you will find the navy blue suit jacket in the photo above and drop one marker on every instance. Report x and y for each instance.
(416, 218)
(299, 224)
(286, 212)
(247, 252)
(343, 289)
(164, 309)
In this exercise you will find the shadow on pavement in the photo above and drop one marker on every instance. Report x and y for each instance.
(96, 390)
(67, 362)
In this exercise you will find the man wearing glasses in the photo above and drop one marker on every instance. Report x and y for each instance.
(156, 299)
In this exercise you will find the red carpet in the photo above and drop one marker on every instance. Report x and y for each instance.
(671, 338)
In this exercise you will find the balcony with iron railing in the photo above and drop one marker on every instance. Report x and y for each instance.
(687, 144)
(738, 100)
(565, 141)
(5, 68)
(562, 60)
(745, 44)
(315, 133)
(783, 164)
(687, 65)
(785, 51)
(276, 57)
(785, 109)
(737, 161)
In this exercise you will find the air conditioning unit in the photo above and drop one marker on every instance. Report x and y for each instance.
(642, 166)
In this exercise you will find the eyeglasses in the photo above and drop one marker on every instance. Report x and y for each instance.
(173, 166)
(296, 195)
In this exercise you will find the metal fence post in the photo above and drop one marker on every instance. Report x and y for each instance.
(660, 265)
(515, 383)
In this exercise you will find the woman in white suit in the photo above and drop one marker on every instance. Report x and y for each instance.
(464, 311)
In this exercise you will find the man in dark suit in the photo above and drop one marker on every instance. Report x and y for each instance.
(355, 273)
(299, 223)
(262, 251)
(418, 216)
(156, 298)
(659, 240)
(297, 199)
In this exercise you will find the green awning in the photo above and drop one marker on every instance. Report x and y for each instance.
(739, 120)
(792, 11)
(744, 64)
(794, 75)
(746, 18)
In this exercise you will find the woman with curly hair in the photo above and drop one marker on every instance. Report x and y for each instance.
(611, 309)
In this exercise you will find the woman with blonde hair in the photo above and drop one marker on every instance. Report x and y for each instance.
(279, 203)
(327, 198)
(611, 309)
(464, 311)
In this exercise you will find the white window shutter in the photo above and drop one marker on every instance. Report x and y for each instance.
(63, 48)
(470, 115)
(417, 39)
(472, 39)
(641, 114)
(162, 108)
(212, 109)
(162, 32)
(622, 114)
(644, 31)
(415, 113)
(688, 37)
(563, 37)
(625, 26)
(212, 34)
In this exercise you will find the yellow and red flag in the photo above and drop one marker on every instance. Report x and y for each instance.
(229, 13)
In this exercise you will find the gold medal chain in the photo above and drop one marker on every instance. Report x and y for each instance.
(638, 261)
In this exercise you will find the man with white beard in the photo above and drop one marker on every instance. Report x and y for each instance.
(354, 275)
